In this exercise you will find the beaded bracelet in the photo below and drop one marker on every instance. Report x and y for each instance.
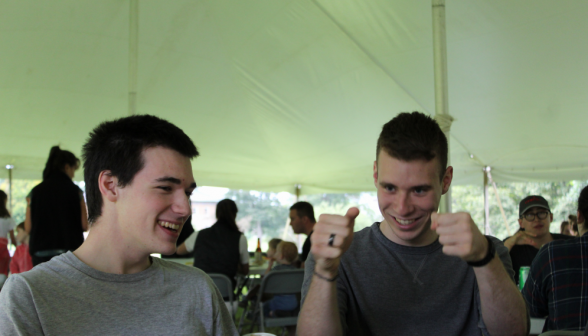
(325, 278)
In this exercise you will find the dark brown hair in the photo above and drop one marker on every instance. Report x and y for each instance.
(226, 213)
(3, 199)
(414, 136)
(304, 209)
(57, 160)
(583, 204)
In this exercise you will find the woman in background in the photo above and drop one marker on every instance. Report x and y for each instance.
(221, 248)
(7, 226)
(56, 215)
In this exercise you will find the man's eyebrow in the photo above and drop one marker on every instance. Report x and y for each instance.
(174, 181)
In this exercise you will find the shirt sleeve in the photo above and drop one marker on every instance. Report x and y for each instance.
(243, 252)
(533, 293)
(191, 241)
(18, 315)
(11, 224)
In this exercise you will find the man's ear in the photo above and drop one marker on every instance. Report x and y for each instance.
(376, 173)
(447, 178)
(108, 186)
(521, 222)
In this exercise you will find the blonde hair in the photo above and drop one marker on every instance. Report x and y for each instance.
(273, 244)
(288, 251)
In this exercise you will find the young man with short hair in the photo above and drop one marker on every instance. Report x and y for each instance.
(535, 218)
(302, 221)
(138, 180)
(417, 272)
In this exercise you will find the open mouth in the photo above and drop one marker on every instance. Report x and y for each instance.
(407, 223)
(169, 226)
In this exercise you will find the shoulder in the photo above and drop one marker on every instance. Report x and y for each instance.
(559, 236)
(183, 273)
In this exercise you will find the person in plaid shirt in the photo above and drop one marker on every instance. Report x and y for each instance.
(557, 285)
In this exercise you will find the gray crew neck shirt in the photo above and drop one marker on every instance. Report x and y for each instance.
(390, 289)
(64, 296)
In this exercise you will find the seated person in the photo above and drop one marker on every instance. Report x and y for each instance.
(271, 253)
(534, 220)
(286, 255)
(567, 228)
(139, 179)
(21, 260)
(556, 286)
(221, 248)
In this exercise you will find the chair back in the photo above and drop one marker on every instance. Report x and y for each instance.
(282, 282)
(225, 286)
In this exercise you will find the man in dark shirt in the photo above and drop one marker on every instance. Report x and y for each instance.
(534, 219)
(302, 221)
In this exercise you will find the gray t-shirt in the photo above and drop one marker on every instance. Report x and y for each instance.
(385, 288)
(67, 297)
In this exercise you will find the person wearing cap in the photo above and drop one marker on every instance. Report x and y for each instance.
(556, 286)
(534, 219)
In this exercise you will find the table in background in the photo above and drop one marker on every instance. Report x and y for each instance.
(536, 325)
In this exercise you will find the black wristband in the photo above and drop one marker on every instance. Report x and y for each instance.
(325, 278)
(489, 255)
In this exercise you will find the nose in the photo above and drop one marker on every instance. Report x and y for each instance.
(181, 205)
(403, 204)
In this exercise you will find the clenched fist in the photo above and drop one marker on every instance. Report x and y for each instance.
(459, 236)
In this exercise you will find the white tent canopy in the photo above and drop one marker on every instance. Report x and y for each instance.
(279, 93)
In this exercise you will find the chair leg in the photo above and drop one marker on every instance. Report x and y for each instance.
(261, 322)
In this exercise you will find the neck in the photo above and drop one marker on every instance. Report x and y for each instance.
(105, 251)
(308, 229)
(426, 237)
(543, 239)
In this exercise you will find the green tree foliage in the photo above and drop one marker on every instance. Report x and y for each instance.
(562, 198)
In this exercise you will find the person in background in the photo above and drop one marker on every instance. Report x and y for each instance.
(573, 220)
(567, 228)
(221, 248)
(21, 260)
(271, 253)
(139, 179)
(286, 255)
(7, 225)
(302, 221)
(56, 216)
(556, 286)
(534, 219)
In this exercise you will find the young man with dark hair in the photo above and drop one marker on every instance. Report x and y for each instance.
(556, 286)
(417, 272)
(139, 179)
(535, 218)
(302, 221)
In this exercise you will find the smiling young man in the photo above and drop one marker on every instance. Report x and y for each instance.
(535, 218)
(416, 272)
(138, 180)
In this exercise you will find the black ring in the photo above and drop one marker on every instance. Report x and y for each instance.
(331, 239)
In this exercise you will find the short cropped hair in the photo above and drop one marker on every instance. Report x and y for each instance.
(583, 204)
(288, 250)
(414, 136)
(118, 146)
(304, 209)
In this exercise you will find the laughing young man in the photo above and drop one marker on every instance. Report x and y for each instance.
(417, 272)
(138, 180)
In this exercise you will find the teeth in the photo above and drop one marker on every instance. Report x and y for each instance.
(405, 222)
(169, 225)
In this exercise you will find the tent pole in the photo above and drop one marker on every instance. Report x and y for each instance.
(486, 203)
(133, 54)
(10, 168)
(498, 201)
(441, 97)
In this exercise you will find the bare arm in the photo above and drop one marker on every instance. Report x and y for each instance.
(520, 238)
(12, 238)
(28, 219)
(503, 308)
(320, 312)
(84, 215)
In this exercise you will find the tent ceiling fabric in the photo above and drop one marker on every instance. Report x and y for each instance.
(278, 93)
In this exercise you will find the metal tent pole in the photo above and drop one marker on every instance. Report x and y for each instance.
(10, 168)
(486, 203)
(133, 54)
(441, 97)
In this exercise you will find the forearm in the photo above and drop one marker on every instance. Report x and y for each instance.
(320, 312)
(503, 308)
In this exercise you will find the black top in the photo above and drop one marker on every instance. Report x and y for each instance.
(217, 250)
(56, 215)
(523, 255)
(306, 248)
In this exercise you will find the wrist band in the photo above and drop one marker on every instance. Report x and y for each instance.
(325, 278)
(488, 258)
